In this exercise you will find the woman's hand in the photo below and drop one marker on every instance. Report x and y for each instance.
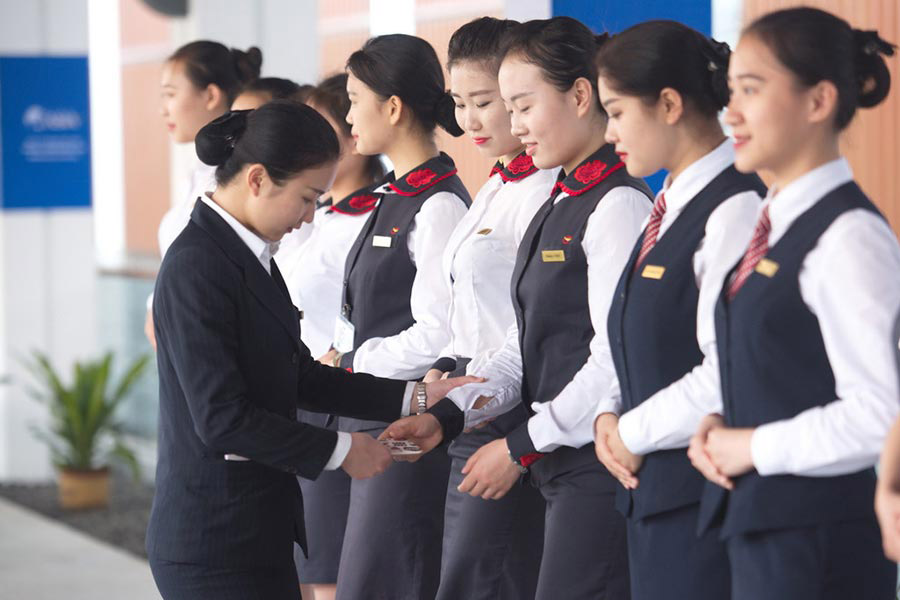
(148, 329)
(611, 451)
(366, 457)
(434, 375)
(697, 451)
(887, 494)
(436, 391)
(887, 509)
(729, 450)
(422, 430)
(327, 359)
(490, 472)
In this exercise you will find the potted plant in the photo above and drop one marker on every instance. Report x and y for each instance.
(83, 434)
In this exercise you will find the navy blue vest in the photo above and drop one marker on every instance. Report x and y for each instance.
(378, 278)
(773, 366)
(653, 338)
(550, 296)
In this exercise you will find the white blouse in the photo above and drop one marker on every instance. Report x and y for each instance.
(311, 260)
(480, 255)
(203, 179)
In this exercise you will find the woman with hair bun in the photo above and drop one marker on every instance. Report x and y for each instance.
(806, 362)
(232, 370)
(199, 82)
(265, 89)
(492, 549)
(393, 320)
(313, 265)
(556, 356)
(663, 85)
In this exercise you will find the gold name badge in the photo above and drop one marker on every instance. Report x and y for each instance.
(485, 231)
(553, 256)
(653, 272)
(382, 241)
(766, 267)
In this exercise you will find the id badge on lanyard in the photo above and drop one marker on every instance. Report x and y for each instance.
(344, 332)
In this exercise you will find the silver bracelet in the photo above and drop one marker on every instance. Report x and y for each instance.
(421, 398)
(522, 469)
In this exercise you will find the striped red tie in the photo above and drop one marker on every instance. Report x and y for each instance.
(652, 231)
(759, 246)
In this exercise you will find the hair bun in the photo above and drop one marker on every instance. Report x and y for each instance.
(872, 75)
(717, 55)
(445, 115)
(215, 142)
(247, 64)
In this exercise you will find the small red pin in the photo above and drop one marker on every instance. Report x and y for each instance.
(395, 230)
(567, 239)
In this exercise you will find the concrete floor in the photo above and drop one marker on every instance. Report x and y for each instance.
(41, 559)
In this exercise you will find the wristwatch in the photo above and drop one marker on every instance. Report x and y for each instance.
(336, 361)
(421, 398)
(522, 468)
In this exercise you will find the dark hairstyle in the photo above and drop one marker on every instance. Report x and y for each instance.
(331, 96)
(302, 95)
(275, 88)
(408, 67)
(480, 40)
(563, 48)
(208, 63)
(650, 56)
(818, 46)
(284, 136)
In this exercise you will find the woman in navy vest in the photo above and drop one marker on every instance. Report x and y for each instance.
(663, 85)
(809, 383)
(394, 306)
(557, 356)
(492, 549)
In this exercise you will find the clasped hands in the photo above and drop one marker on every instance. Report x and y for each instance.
(720, 453)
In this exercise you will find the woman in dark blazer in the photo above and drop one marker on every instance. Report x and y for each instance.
(233, 370)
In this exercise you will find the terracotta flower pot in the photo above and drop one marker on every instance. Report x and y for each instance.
(80, 488)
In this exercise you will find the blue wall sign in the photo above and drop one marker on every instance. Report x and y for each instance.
(45, 155)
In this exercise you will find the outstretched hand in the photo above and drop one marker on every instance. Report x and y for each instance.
(423, 430)
(366, 458)
(438, 390)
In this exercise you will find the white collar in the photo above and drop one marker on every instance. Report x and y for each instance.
(801, 194)
(261, 249)
(697, 176)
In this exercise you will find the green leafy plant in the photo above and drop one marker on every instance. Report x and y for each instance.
(83, 433)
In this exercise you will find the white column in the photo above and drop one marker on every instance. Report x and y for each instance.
(107, 161)
(47, 266)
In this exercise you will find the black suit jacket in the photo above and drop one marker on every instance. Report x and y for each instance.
(232, 372)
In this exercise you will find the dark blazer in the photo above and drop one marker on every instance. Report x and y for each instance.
(232, 372)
